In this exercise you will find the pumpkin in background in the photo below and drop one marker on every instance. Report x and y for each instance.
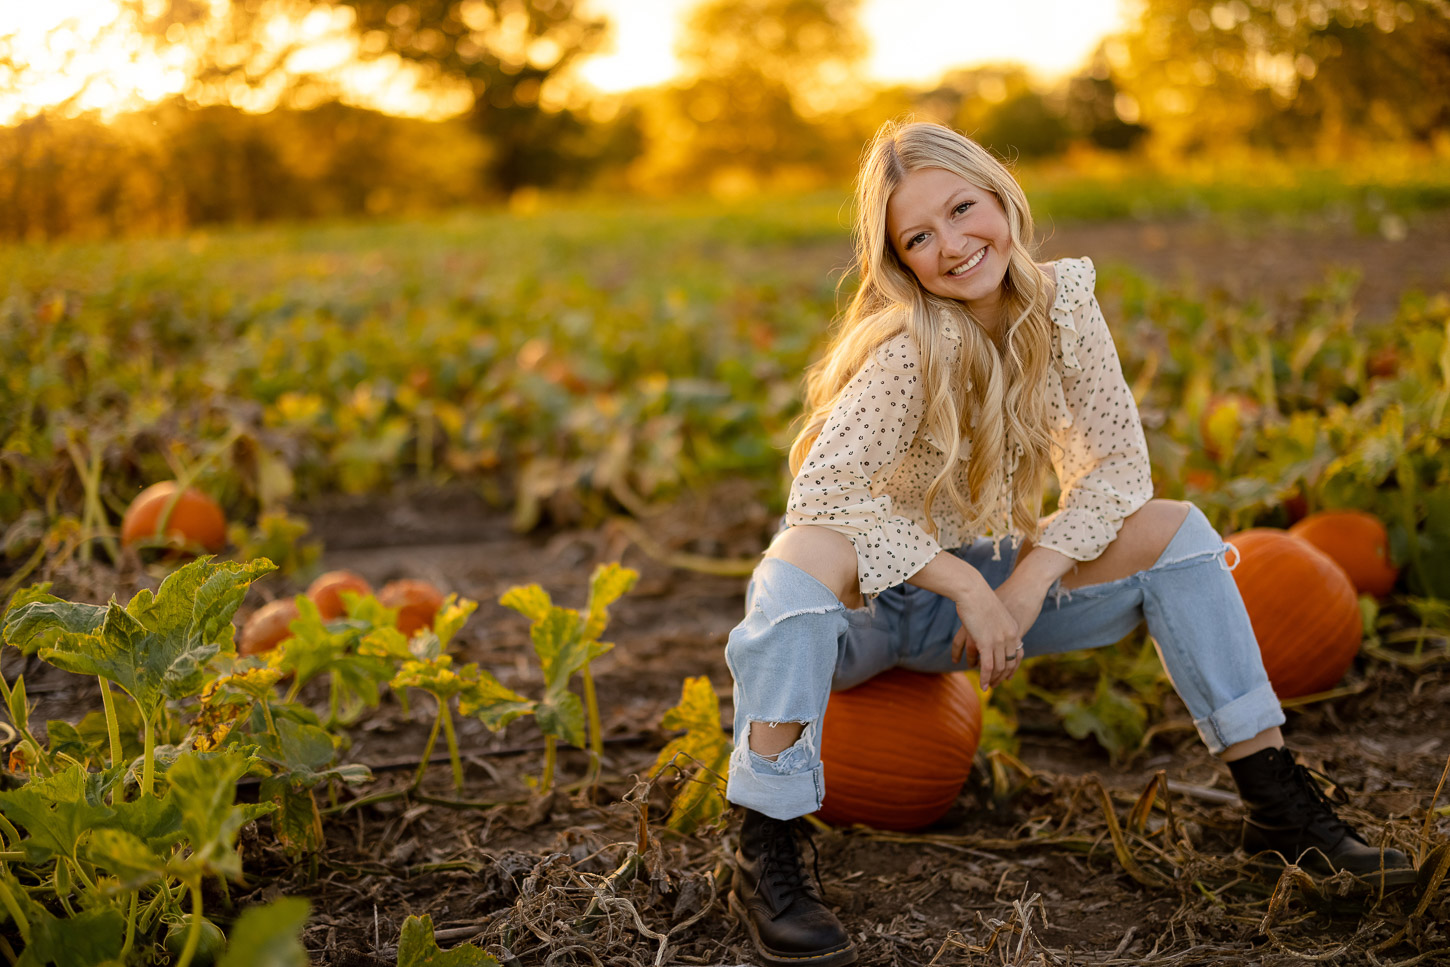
(196, 518)
(1356, 541)
(267, 627)
(897, 748)
(417, 603)
(1304, 611)
(326, 592)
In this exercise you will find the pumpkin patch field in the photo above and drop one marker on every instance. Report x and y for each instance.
(367, 588)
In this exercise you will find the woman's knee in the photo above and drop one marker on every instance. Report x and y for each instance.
(824, 554)
(1143, 537)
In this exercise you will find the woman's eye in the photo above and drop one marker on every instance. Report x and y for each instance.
(915, 239)
(963, 207)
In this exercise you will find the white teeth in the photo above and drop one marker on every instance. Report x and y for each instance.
(969, 263)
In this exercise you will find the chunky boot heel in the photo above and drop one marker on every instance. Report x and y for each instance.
(779, 903)
(1289, 814)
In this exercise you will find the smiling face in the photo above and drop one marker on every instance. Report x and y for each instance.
(954, 237)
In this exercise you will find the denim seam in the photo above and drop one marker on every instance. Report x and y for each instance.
(1220, 552)
(1059, 592)
(822, 609)
(1213, 721)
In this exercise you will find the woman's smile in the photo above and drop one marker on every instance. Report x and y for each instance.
(969, 264)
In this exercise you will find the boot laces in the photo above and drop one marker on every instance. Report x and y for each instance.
(781, 863)
(1313, 808)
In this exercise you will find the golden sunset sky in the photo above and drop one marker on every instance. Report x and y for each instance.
(81, 45)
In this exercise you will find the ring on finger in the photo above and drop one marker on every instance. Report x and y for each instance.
(1018, 654)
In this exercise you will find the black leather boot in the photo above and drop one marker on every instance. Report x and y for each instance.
(778, 901)
(1289, 814)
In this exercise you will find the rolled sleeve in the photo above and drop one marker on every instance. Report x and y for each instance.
(1100, 455)
(862, 442)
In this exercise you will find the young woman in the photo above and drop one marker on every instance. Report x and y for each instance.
(961, 371)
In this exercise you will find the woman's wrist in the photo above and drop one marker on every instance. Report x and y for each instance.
(1040, 567)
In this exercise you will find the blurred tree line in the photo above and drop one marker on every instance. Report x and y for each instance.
(771, 98)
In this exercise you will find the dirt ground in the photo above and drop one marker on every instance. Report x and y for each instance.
(1271, 262)
(1028, 875)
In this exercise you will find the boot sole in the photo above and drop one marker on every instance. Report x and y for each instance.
(839, 957)
(1384, 881)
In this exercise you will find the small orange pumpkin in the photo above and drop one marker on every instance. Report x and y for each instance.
(1304, 611)
(897, 748)
(196, 519)
(268, 627)
(326, 592)
(1356, 541)
(417, 603)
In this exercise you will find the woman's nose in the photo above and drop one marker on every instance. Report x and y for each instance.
(953, 246)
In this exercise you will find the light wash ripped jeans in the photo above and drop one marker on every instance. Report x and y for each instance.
(798, 643)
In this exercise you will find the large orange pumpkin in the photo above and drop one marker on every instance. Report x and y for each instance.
(1304, 611)
(417, 603)
(1356, 541)
(326, 592)
(196, 519)
(897, 748)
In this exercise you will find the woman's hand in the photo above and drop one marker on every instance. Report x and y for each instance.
(985, 620)
(1023, 600)
(989, 634)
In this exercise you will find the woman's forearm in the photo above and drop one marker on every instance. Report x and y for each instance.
(1041, 566)
(951, 577)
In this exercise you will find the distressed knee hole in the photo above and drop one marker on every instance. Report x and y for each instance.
(792, 758)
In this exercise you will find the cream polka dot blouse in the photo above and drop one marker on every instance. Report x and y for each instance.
(867, 472)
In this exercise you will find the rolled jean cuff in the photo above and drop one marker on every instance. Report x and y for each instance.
(1241, 719)
(777, 796)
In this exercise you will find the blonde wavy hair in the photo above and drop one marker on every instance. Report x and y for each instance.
(996, 401)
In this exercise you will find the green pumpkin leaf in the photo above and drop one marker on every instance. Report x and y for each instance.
(156, 822)
(313, 646)
(561, 649)
(607, 584)
(90, 739)
(297, 822)
(36, 592)
(531, 601)
(386, 642)
(35, 621)
(703, 752)
(437, 677)
(487, 700)
(58, 811)
(366, 611)
(19, 710)
(1430, 562)
(126, 855)
(1114, 719)
(418, 947)
(157, 646)
(562, 716)
(205, 791)
(267, 936)
(93, 936)
(451, 617)
(337, 647)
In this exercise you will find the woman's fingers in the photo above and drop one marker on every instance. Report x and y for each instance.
(962, 643)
